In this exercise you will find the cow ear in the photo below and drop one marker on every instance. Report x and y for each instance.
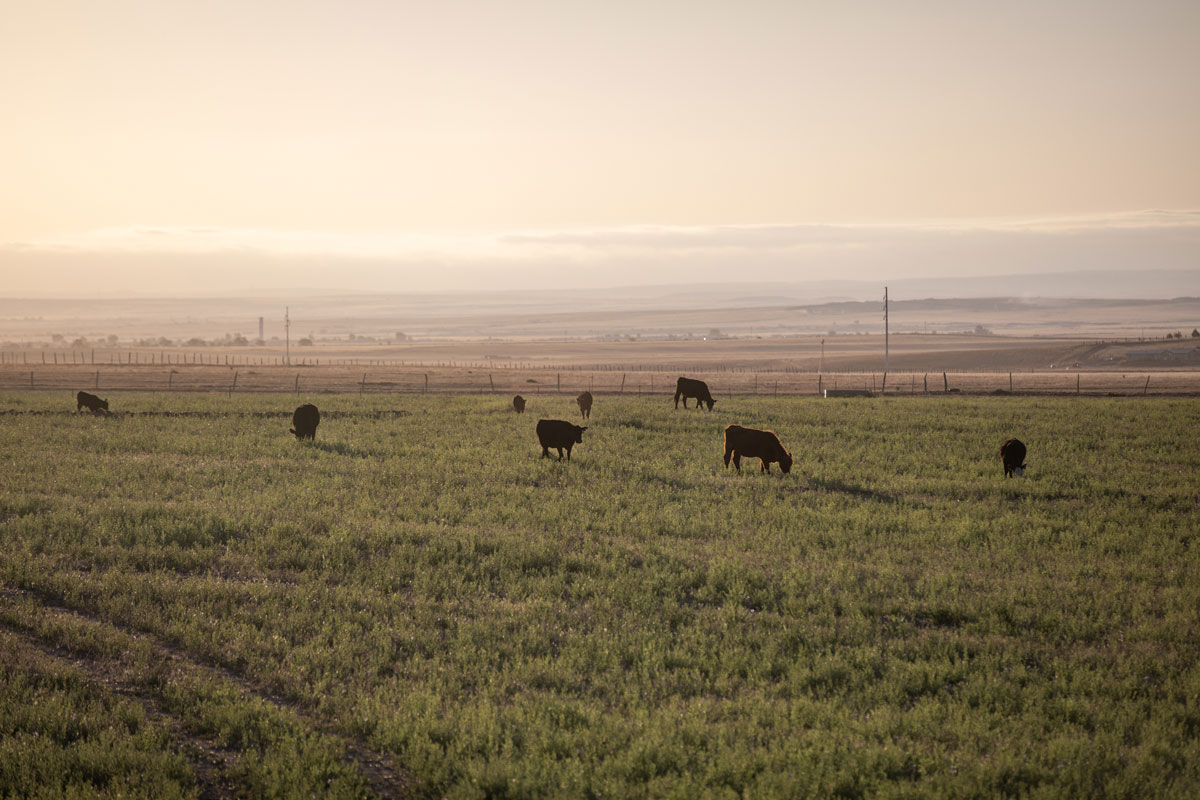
(584, 428)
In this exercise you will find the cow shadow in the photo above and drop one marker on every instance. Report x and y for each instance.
(338, 448)
(840, 486)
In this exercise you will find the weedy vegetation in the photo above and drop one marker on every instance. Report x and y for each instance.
(416, 603)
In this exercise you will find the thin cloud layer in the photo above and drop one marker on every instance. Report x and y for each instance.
(188, 259)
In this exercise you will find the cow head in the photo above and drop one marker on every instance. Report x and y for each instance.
(579, 433)
(104, 404)
(785, 462)
(1019, 471)
(710, 403)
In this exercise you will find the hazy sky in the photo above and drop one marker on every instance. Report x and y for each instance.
(439, 144)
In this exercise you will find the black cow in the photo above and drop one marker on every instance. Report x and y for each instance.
(1012, 453)
(304, 422)
(90, 402)
(690, 387)
(585, 404)
(560, 435)
(753, 443)
(519, 404)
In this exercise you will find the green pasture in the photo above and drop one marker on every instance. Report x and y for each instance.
(892, 619)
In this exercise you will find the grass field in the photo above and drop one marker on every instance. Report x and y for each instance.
(194, 604)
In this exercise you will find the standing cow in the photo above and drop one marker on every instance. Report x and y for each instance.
(753, 443)
(585, 404)
(1012, 453)
(90, 402)
(304, 422)
(690, 387)
(519, 404)
(560, 435)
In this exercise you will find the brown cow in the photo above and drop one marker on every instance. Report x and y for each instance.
(91, 403)
(1012, 453)
(559, 434)
(753, 443)
(304, 421)
(519, 404)
(585, 404)
(690, 387)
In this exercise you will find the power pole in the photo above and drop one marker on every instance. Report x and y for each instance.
(821, 368)
(287, 337)
(885, 331)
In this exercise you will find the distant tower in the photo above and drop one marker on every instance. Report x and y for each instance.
(260, 329)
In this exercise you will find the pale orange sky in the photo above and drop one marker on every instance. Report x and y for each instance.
(441, 130)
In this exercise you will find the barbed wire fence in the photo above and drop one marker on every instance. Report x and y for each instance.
(455, 377)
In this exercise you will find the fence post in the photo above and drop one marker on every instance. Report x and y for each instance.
(234, 384)
(558, 386)
(818, 384)
(31, 379)
(426, 391)
(945, 383)
(1010, 383)
(1076, 383)
(170, 375)
(883, 387)
(362, 387)
(622, 383)
(1146, 388)
(925, 381)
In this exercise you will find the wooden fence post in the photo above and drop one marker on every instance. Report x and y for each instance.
(234, 384)
(1010, 383)
(945, 383)
(1146, 388)
(622, 383)
(491, 383)
(362, 387)
(883, 386)
(426, 390)
(558, 385)
(1076, 383)
(818, 384)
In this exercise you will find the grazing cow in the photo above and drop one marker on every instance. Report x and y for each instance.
(519, 404)
(560, 435)
(753, 443)
(1012, 453)
(585, 404)
(90, 402)
(304, 422)
(690, 387)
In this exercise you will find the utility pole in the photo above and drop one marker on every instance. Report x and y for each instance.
(821, 368)
(287, 336)
(885, 330)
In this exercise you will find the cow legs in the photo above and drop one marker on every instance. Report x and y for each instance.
(728, 453)
(763, 465)
(737, 460)
(568, 452)
(545, 452)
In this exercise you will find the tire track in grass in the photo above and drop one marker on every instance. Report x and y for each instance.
(376, 768)
(213, 764)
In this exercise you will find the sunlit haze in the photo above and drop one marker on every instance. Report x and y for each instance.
(165, 147)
